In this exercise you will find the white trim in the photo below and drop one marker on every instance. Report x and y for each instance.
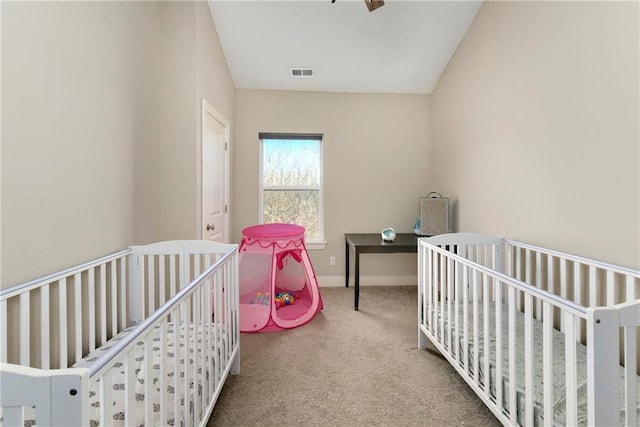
(338, 281)
(320, 188)
(317, 245)
(208, 108)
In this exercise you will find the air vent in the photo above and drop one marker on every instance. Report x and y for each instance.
(299, 72)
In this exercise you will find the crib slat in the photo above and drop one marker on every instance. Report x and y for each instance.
(577, 283)
(577, 290)
(177, 354)
(610, 288)
(476, 329)
(148, 375)
(563, 285)
(62, 324)
(114, 298)
(196, 266)
(12, 416)
(457, 273)
(629, 294)
(631, 360)
(485, 332)
(172, 272)
(144, 289)
(195, 297)
(593, 301)
(211, 324)
(123, 293)
(513, 412)
(528, 358)
(563, 278)
(92, 305)
(129, 388)
(465, 318)
(151, 284)
(103, 304)
(162, 284)
(44, 327)
(106, 398)
(227, 310)
(547, 362)
(442, 269)
(217, 334)
(428, 290)
(498, 304)
(539, 284)
(77, 310)
(449, 308)
(185, 342)
(630, 388)
(571, 375)
(25, 329)
(163, 344)
(3, 332)
(433, 293)
(519, 272)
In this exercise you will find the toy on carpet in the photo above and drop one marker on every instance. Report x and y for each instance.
(262, 298)
(285, 298)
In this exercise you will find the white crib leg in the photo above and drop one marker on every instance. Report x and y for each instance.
(235, 367)
(70, 397)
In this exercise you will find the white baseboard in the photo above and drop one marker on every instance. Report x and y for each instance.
(338, 281)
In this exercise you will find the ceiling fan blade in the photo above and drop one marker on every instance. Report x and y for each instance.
(374, 4)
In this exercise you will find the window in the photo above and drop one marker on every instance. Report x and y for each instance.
(291, 183)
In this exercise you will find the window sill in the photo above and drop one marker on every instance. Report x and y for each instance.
(315, 245)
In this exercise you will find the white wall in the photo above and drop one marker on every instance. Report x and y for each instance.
(376, 163)
(535, 127)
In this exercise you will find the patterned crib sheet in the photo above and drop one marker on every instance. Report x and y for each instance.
(172, 378)
(196, 355)
(559, 381)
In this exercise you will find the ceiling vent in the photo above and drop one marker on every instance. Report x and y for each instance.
(300, 72)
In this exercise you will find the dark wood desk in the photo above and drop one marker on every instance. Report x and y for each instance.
(372, 243)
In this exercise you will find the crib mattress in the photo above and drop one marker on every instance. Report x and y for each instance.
(559, 389)
(168, 372)
(186, 416)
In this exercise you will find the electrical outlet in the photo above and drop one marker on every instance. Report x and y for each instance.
(332, 260)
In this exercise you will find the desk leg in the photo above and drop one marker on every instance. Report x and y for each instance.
(346, 258)
(357, 279)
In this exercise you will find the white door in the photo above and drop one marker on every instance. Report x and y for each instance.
(215, 176)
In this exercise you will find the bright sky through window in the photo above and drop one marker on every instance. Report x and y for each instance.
(291, 183)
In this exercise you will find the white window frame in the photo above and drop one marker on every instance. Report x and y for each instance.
(318, 243)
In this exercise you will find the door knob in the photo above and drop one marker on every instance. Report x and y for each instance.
(210, 227)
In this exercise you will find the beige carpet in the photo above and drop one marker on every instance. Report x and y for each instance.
(348, 368)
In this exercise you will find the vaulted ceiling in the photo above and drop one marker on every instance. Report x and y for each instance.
(401, 47)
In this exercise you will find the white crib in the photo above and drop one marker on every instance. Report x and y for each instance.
(553, 335)
(145, 336)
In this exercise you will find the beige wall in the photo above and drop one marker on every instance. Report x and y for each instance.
(191, 67)
(535, 127)
(100, 135)
(68, 132)
(376, 163)
(214, 84)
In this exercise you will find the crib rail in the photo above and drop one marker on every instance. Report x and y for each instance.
(191, 329)
(584, 281)
(90, 300)
(175, 327)
(478, 312)
(164, 267)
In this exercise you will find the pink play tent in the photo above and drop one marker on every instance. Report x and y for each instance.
(278, 287)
